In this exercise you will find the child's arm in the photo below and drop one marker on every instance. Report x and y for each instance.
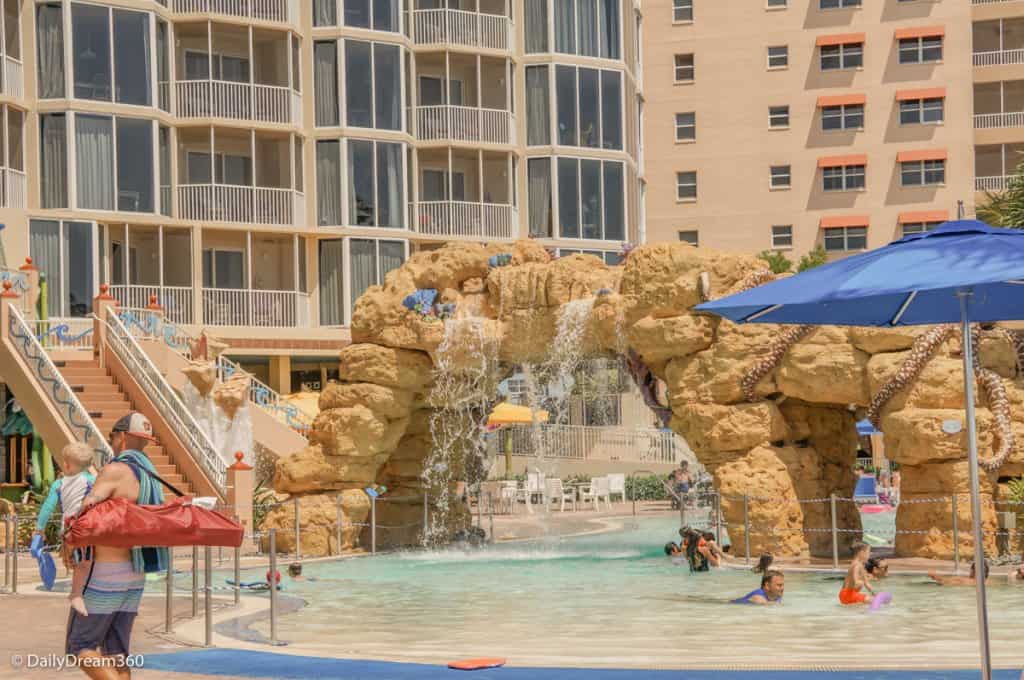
(863, 579)
(49, 505)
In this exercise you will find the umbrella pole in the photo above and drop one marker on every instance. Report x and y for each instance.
(972, 463)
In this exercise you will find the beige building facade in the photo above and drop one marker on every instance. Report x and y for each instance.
(256, 164)
(798, 123)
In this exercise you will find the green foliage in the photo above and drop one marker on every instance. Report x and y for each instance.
(649, 488)
(262, 498)
(777, 262)
(1006, 208)
(815, 258)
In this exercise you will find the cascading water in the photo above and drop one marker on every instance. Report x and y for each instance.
(465, 375)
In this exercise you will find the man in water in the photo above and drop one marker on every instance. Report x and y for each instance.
(857, 577)
(1016, 577)
(969, 580)
(773, 585)
(118, 575)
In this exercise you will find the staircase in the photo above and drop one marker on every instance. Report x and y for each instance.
(105, 402)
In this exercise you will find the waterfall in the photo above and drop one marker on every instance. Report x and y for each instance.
(465, 376)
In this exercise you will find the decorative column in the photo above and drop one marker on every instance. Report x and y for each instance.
(32, 292)
(100, 304)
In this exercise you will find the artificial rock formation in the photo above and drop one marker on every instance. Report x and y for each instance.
(769, 410)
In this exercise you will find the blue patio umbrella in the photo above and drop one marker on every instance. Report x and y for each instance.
(961, 272)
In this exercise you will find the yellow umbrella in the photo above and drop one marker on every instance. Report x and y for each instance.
(511, 414)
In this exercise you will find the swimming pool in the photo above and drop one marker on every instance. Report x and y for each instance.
(614, 600)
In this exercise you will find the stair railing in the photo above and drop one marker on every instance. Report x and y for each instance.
(55, 386)
(167, 401)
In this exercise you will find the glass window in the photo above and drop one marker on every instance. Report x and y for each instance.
(837, 4)
(921, 173)
(587, 27)
(782, 236)
(325, 13)
(849, 55)
(53, 160)
(780, 176)
(50, 51)
(325, 82)
(375, 184)
(385, 15)
(778, 57)
(916, 111)
(777, 3)
(686, 127)
(370, 260)
(682, 10)
(132, 58)
(360, 173)
(690, 236)
(12, 27)
(94, 153)
(538, 180)
(611, 109)
(164, 147)
(590, 198)
(536, 35)
(163, 66)
(684, 68)
(589, 107)
(359, 83)
(778, 116)
(840, 239)
(614, 203)
(387, 65)
(565, 94)
(538, 113)
(332, 277)
(15, 141)
(565, 26)
(568, 198)
(909, 228)
(920, 50)
(134, 165)
(65, 247)
(843, 178)
(90, 35)
(357, 13)
(328, 182)
(846, 117)
(686, 185)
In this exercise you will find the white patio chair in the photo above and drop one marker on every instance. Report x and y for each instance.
(535, 485)
(556, 493)
(592, 493)
(617, 486)
(510, 496)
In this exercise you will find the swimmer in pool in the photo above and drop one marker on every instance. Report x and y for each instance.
(877, 568)
(717, 555)
(764, 563)
(857, 577)
(969, 580)
(672, 549)
(1016, 577)
(773, 585)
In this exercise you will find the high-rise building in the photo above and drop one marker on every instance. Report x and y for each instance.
(789, 124)
(257, 164)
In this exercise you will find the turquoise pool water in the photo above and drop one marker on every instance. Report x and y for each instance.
(614, 600)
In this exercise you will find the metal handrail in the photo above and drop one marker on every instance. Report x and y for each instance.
(166, 400)
(265, 396)
(57, 389)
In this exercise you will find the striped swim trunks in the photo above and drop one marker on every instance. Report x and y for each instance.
(112, 595)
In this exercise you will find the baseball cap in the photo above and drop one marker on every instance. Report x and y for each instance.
(136, 425)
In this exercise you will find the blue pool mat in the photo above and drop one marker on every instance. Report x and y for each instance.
(246, 664)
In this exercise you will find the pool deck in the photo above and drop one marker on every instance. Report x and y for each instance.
(180, 657)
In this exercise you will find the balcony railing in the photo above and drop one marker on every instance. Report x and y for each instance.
(990, 2)
(461, 219)
(584, 442)
(13, 188)
(243, 307)
(264, 10)
(455, 26)
(176, 300)
(237, 101)
(14, 77)
(999, 57)
(983, 121)
(465, 123)
(992, 183)
(233, 203)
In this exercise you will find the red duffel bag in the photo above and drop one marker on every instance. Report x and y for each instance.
(116, 523)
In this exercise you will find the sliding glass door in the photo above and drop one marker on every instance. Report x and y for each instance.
(66, 254)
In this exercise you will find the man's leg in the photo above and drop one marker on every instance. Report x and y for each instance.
(89, 660)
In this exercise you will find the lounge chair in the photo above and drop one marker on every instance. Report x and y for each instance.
(596, 492)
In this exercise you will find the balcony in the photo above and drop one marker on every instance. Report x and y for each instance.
(264, 308)
(14, 188)
(465, 124)
(176, 300)
(1008, 119)
(233, 203)
(994, 184)
(14, 78)
(280, 11)
(459, 27)
(999, 57)
(237, 101)
(462, 219)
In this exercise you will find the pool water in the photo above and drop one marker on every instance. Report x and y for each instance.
(614, 599)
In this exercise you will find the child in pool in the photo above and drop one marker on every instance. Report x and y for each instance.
(857, 577)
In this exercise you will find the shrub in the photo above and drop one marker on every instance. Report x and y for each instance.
(815, 258)
(777, 262)
(649, 488)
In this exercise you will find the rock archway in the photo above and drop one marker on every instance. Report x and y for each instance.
(769, 410)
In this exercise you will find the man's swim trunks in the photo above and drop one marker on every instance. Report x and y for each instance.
(852, 596)
(112, 596)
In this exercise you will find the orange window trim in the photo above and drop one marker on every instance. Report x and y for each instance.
(924, 216)
(926, 93)
(922, 155)
(844, 221)
(920, 32)
(842, 100)
(836, 161)
(840, 39)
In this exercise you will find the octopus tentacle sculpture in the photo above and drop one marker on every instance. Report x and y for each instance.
(923, 349)
(786, 339)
